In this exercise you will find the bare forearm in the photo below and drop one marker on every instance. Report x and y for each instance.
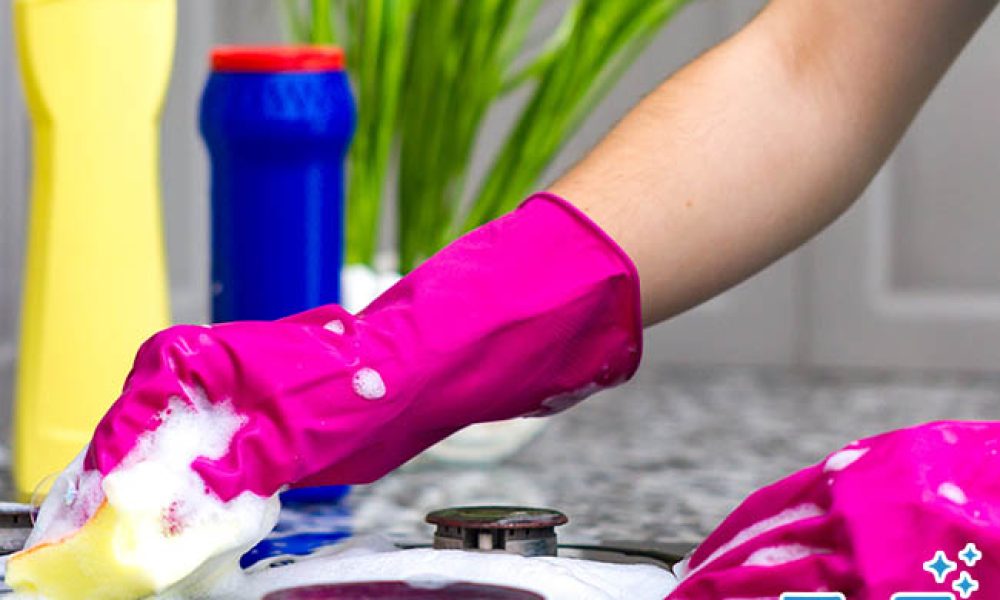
(754, 147)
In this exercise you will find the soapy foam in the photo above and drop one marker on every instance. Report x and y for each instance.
(169, 526)
(177, 525)
(189, 541)
(73, 498)
(368, 384)
(376, 558)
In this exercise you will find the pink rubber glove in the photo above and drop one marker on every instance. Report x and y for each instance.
(524, 316)
(864, 522)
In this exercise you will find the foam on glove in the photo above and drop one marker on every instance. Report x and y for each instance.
(148, 524)
(522, 317)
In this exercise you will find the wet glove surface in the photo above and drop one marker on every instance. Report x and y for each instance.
(524, 316)
(865, 522)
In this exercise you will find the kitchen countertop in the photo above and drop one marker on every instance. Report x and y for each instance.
(669, 455)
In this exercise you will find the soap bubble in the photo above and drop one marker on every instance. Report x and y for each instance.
(368, 384)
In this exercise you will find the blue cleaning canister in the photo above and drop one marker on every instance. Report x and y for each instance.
(277, 122)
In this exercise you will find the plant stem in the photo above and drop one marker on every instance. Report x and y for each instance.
(426, 73)
(604, 38)
(322, 23)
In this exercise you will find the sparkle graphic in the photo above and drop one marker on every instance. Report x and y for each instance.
(965, 585)
(970, 555)
(940, 566)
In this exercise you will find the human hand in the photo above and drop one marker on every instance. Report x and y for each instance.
(526, 315)
(863, 522)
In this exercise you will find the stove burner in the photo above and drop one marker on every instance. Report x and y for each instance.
(15, 526)
(513, 529)
(399, 590)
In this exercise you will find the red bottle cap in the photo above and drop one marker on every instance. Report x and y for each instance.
(277, 59)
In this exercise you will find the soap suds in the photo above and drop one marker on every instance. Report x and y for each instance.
(375, 558)
(189, 542)
(174, 527)
(73, 498)
(368, 384)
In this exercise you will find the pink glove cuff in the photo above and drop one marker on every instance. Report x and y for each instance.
(634, 315)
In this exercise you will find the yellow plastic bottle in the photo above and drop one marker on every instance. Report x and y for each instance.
(95, 74)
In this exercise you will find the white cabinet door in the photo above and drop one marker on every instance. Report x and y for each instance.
(911, 276)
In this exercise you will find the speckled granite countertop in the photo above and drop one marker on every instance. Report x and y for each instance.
(669, 455)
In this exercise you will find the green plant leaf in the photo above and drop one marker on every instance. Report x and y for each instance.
(427, 72)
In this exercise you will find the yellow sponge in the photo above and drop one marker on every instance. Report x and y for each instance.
(81, 566)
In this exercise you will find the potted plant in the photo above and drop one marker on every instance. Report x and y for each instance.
(425, 75)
